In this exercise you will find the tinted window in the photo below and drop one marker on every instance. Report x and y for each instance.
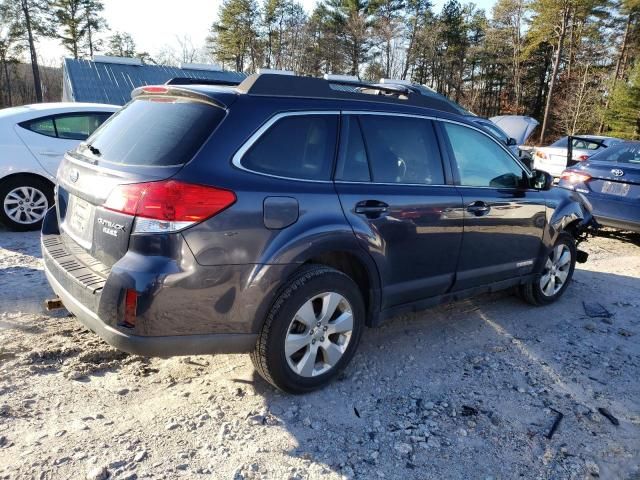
(42, 126)
(352, 163)
(78, 127)
(576, 143)
(296, 147)
(481, 161)
(166, 131)
(402, 150)
(625, 153)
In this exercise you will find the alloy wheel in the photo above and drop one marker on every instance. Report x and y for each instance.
(26, 205)
(556, 270)
(319, 334)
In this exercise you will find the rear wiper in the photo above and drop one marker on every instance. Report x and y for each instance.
(93, 150)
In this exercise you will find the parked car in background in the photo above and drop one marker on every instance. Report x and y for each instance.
(282, 216)
(33, 140)
(553, 159)
(610, 180)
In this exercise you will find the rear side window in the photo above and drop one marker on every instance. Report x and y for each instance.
(402, 150)
(43, 126)
(72, 126)
(301, 147)
(159, 132)
(78, 127)
(353, 165)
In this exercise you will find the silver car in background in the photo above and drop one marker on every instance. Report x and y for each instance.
(553, 159)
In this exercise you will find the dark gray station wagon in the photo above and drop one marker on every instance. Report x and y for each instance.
(283, 215)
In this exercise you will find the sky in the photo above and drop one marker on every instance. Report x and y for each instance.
(154, 25)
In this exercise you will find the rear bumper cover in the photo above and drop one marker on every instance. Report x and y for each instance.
(154, 346)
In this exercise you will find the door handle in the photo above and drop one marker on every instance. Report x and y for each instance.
(50, 153)
(478, 208)
(371, 208)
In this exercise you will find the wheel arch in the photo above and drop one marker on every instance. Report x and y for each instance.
(27, 175)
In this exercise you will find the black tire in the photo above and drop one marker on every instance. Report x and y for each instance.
(31, 182)
(269, 356)
(533, 292)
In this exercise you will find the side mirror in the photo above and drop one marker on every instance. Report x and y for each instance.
(511, 142)
(541, 180)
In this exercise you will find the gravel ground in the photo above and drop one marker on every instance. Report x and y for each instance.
(465, 391)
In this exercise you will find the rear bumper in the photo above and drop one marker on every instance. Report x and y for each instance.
(157, 346)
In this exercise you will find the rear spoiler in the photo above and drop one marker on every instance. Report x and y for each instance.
(151, 91)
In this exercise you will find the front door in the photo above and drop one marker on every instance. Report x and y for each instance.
(504, 218)
(393, 190)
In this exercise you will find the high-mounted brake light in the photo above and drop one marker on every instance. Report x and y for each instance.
(169, 205)
(574, 177)
(155, 89)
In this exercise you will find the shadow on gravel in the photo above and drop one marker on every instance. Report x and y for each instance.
(447, 390)
(623, 236)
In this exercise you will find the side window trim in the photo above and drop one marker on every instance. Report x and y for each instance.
(236, 161)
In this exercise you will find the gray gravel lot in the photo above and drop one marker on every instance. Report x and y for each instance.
(463, 391)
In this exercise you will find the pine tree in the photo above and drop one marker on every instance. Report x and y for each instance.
(121, 44)
(235, 35)
(69, 15)
(29, 20)
(623, 116)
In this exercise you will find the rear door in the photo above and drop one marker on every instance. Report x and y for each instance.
(393, 188)
(503, 218)
(49, 138)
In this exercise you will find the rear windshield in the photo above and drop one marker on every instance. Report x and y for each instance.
(584, 144)
(160, 132)
(620, 153)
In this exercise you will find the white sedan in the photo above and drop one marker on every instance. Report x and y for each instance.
(33, 140)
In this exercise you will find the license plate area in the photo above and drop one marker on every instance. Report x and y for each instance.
(615, 188)
(78, 221)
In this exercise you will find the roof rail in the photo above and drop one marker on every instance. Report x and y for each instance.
(201, 81)
(308, 87)
(275, 72)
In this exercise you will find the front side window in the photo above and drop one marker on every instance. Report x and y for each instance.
(402, 150)
(481, 161)
(300, 146)
(78, 127)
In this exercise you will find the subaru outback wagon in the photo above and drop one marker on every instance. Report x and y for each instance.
(281, 216)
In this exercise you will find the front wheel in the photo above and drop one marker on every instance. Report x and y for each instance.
(556, 273)
(312, 330)
(24, 202)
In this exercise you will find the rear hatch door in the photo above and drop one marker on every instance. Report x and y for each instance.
(148, 140)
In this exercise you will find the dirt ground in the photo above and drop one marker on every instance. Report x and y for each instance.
(463, 391)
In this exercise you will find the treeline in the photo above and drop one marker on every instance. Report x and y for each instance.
(568, 63)
(572, 64)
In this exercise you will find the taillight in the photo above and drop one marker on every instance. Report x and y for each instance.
(130, 308)
(169, 205)
(541, 155)
(582, 158)
(573, 176)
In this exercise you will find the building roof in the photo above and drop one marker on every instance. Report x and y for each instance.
(111, 82)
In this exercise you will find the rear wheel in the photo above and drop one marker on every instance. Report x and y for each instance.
(556, 273)
(312, 330)
(24, 201)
